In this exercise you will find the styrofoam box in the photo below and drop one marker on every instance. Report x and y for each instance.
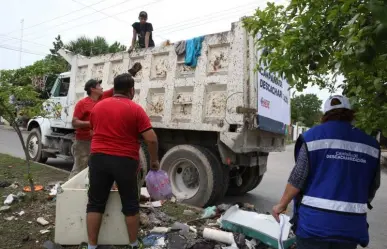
(70, 221)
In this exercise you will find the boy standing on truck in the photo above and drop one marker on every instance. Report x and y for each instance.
(81, 122)
(143, 30)
(114, 157)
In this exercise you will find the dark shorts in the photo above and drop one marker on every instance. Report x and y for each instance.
(321, 244)
(103, 171)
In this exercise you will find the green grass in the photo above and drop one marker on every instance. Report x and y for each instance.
(24, 232)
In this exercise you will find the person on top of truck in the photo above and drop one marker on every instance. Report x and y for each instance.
(336, 176)
(114, 157)
(143, 30)
(81, 122)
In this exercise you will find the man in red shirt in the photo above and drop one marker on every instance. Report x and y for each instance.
(117, 123)
(81, 123)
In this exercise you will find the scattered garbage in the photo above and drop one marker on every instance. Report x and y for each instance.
(219, 236)
(10, 218)
(258, 226)
(14, 185)
(20, 195)
(44, 231)
(4, 184)
(54, 190)
(21, 213)
(42, 221)
(158, 185)
(36, 188)
(160, 230)
(4, 208)
(154, 240)
(209, 212)
(10, 198)
(51, 245)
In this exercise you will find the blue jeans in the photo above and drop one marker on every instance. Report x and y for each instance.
(321, 244)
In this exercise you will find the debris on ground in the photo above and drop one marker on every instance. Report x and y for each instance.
(42, 221)
(10, 198)
(4, 184)
(9, 218)
(14, 185)
(21, 213)
(4, 208)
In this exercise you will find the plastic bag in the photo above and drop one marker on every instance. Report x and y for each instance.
(158, 185)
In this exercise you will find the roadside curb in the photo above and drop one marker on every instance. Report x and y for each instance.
(7, 127)
(51, 167)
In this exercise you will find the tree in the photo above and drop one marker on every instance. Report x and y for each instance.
(306, 109)
(16, 99)
(91, 47)
(315, 41)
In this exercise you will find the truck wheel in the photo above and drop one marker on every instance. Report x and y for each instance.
(194, 177)
(34, 146)
(144, 162)
(242, 180)
(257, 181)
(223, 176)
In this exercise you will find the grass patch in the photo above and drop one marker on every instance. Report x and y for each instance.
(23, 231)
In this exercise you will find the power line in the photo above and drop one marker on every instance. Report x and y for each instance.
(100, 19)
(203, 23)
(80, 17)
(211, 15)
(23, 50)
(55, 18)
(114, 17)
(15, 38)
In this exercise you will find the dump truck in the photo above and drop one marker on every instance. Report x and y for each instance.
(216, 123)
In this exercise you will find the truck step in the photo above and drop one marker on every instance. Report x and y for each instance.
(51, 151)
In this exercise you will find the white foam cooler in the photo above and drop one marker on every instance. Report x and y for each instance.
(70, 221)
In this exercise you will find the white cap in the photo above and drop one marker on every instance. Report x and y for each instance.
(343, 103)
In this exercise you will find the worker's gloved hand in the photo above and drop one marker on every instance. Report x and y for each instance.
(135, 69)
(155, 165)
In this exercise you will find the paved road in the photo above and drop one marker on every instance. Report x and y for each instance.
(264, 196)
(10, 144)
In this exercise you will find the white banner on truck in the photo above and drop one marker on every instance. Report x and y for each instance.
(273, 102)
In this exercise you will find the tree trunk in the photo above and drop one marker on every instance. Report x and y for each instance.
(19, 133)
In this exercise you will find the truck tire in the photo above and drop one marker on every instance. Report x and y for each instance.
(34, 146)
(257, 181)
(144, 161)
(223, 176)
(248, 177)
(194, 178)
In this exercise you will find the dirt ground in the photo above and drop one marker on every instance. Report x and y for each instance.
(24, 231)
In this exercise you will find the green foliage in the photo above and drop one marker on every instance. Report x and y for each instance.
(306, 109)
(91, 47)
(311, 40)
(16, 99)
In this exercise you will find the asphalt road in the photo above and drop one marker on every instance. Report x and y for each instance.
(263, 197)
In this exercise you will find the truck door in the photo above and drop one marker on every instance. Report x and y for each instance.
(58, 102)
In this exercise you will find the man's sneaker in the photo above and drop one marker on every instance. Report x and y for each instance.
(139, 246)
(83, 245)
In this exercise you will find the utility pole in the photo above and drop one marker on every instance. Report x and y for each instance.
(21, 41)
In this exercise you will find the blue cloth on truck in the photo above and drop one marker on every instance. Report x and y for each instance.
(193, 48)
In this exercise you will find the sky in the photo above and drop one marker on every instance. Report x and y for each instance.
(112, 19)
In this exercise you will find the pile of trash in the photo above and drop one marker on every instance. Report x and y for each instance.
(177, 226)
(237, 226)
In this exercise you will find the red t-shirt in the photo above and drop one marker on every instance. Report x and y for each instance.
(117, 123)
(82, 112)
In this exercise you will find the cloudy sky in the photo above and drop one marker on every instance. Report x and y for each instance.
(171, 19)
